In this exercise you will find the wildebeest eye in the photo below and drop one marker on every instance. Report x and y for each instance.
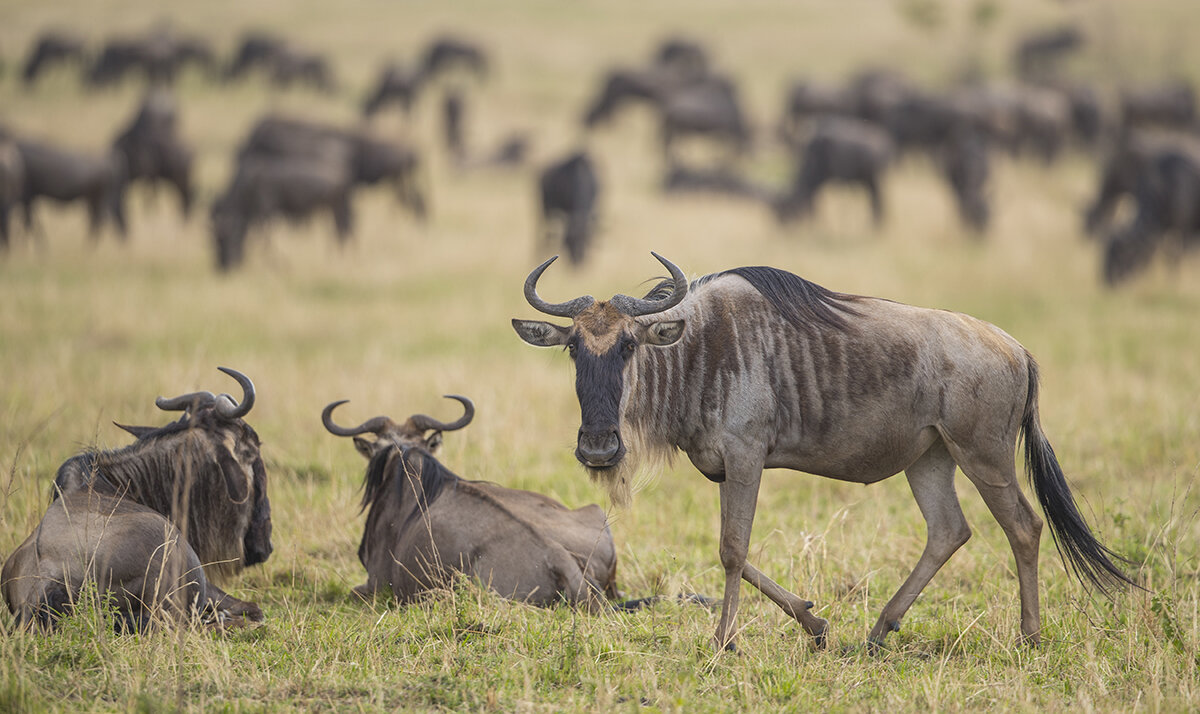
(630, 347)
(571, 349)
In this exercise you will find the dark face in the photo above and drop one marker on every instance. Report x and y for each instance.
(602, 343)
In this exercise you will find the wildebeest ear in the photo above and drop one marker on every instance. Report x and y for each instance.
(237, 485)
(137, 431)
(434, 442)
(364, 446)
(664, 333)
(540, 334)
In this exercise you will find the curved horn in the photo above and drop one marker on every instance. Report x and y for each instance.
(571, 308)
(185, 401)
(225, 405)
(635, 307)
(374, 426)
(425, 423)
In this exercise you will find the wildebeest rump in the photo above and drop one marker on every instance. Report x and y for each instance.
(757, 368)
(201, 477)
(66, 175)
(841, 150)
(568, 190)
(155, 151)
(425, 524)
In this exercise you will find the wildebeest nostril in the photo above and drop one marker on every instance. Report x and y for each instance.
(599, 448)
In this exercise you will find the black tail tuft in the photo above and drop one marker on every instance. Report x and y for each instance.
(1089, 559)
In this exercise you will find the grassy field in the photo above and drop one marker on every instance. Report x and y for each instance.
(91, 333)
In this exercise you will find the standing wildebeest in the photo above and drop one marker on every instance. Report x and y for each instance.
(147, 521)
(12, 182)
(1167, 192)
(708, 108)
(158, 54)
(424, 524)
(568, 190)
(965, 163)
(67, 175)
(757, 368)
(1039, 54)
(289, 187)
(282, 62)
(53, 47)
(1127, 160)
(1169, 105)
(396, 85)
(153, 149)
(256, 50)
(842, 150)
(446, 53)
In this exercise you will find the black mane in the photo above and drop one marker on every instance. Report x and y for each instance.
(384, 467)
(799, 301)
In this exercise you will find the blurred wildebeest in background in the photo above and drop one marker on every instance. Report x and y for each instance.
(153, 149)
(67, 175)
(282, 62)
(52, 47)
(682, 56)
(806, 102)
(452, 125)
(1121, 169)
(159, 55)
(1172, 104)
(568, 189)
(396, 85)
(425, 524)
(12, 182)
(290, 187)
(368, 159)
(840, 150)
(155, 522)
(447, 53)
(1167, 215)
(965, 162)
(709, 108)
(721, 181)
(1039, 55)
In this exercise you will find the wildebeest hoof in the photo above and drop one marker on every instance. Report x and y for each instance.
(875, 646)
(731, 647)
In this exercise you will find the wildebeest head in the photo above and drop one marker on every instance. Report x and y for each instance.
(602, 340)
(210, 432)
(418, 430)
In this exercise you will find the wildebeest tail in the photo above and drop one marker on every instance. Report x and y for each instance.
(1087, 557)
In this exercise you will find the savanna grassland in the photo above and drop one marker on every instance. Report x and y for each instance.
(92, 333)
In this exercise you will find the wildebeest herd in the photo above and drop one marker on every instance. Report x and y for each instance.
(1143, 138)
(742, 370)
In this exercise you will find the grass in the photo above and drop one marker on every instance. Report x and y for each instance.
(92, 333)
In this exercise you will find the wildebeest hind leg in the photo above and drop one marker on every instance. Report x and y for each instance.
(794, 605)
(996, 478)
(931, 479)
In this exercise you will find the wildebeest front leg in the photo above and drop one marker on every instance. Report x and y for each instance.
(220, 600)
(739, 497)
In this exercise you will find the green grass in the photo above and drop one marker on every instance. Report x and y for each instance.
(92, 333)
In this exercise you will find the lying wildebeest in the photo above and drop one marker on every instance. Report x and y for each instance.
(153, 522)
(1171, 105)
(12, 182)
(396, 85)
(153, 149)
(68, 175)
(721, 181)
(425, 524)
(756, 368)
(568, 190)
(367, 159)
(446, 53)
(1168, 206)
(293, 188)
(52, 47)
(843, 150)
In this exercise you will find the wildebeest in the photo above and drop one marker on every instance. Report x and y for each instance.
(446, 53)
(1171, 105)
(155, 521)
(68, 175)
(708, 108)
(807, 101)
(294, 188)
(154, 150)
(255, 51)
(52, 47)
(965, 162)
(721, 181)
(1122, 168)
(425, 524)
(755, 368)
(12, 182)
(158, 54)
(283, 63)
(369, 160)
(396, 85)
(1167, 194)
(1039, 54)
(568, 189)
(841, 150)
